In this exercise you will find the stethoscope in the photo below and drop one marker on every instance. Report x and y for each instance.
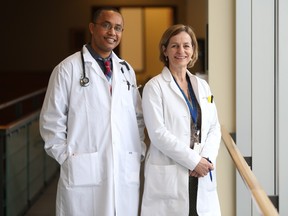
(84, 81)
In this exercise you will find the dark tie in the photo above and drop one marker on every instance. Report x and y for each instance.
(108, 71)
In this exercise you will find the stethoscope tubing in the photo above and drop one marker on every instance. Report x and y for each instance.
(84, 81)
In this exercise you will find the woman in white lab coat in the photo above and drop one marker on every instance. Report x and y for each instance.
(182, 124)
(96, 134)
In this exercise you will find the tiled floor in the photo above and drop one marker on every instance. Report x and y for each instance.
(45, 204)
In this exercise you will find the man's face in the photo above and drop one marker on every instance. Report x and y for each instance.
(106, 32)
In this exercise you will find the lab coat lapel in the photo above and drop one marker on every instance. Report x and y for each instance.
(194, 84)
(169, 78)
(117, 79)
(90, 60)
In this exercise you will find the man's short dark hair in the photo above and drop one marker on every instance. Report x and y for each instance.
(97, 13)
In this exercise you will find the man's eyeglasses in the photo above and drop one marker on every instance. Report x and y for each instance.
(108, 26)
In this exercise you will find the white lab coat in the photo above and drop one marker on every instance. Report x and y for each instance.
(97, 139)
(170, 157)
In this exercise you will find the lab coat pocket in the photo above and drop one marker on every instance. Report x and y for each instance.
(161, 181)
(208, 109)
(208, 183)
(84, 169)
(132, 167)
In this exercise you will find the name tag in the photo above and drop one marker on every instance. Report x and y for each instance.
(197, 147)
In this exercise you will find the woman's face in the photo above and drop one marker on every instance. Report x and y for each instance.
(179, 50)
(106, 32)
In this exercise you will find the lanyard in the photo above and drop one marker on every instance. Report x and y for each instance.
(193, 106)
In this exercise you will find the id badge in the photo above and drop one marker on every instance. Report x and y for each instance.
(196, 146)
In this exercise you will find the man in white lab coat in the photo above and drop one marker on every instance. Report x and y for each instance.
(92, 125)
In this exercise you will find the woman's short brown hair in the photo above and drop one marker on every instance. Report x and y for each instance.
(172, 31)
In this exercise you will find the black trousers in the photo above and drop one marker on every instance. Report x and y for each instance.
(193, 186)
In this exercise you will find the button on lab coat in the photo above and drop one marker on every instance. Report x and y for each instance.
(95, 137)
(170, 157)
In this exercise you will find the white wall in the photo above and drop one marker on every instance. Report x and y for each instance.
(282, 187)
(261, 52)
(221, 71)
(221, 68)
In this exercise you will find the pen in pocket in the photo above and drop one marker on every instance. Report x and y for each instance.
(210, 171)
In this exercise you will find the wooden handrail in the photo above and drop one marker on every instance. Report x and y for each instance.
(17, 100)
(264, 203)
(20, 122)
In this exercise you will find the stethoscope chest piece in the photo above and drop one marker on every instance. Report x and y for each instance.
(84, 81)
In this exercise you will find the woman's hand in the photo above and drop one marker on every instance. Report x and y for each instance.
(202, 168)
